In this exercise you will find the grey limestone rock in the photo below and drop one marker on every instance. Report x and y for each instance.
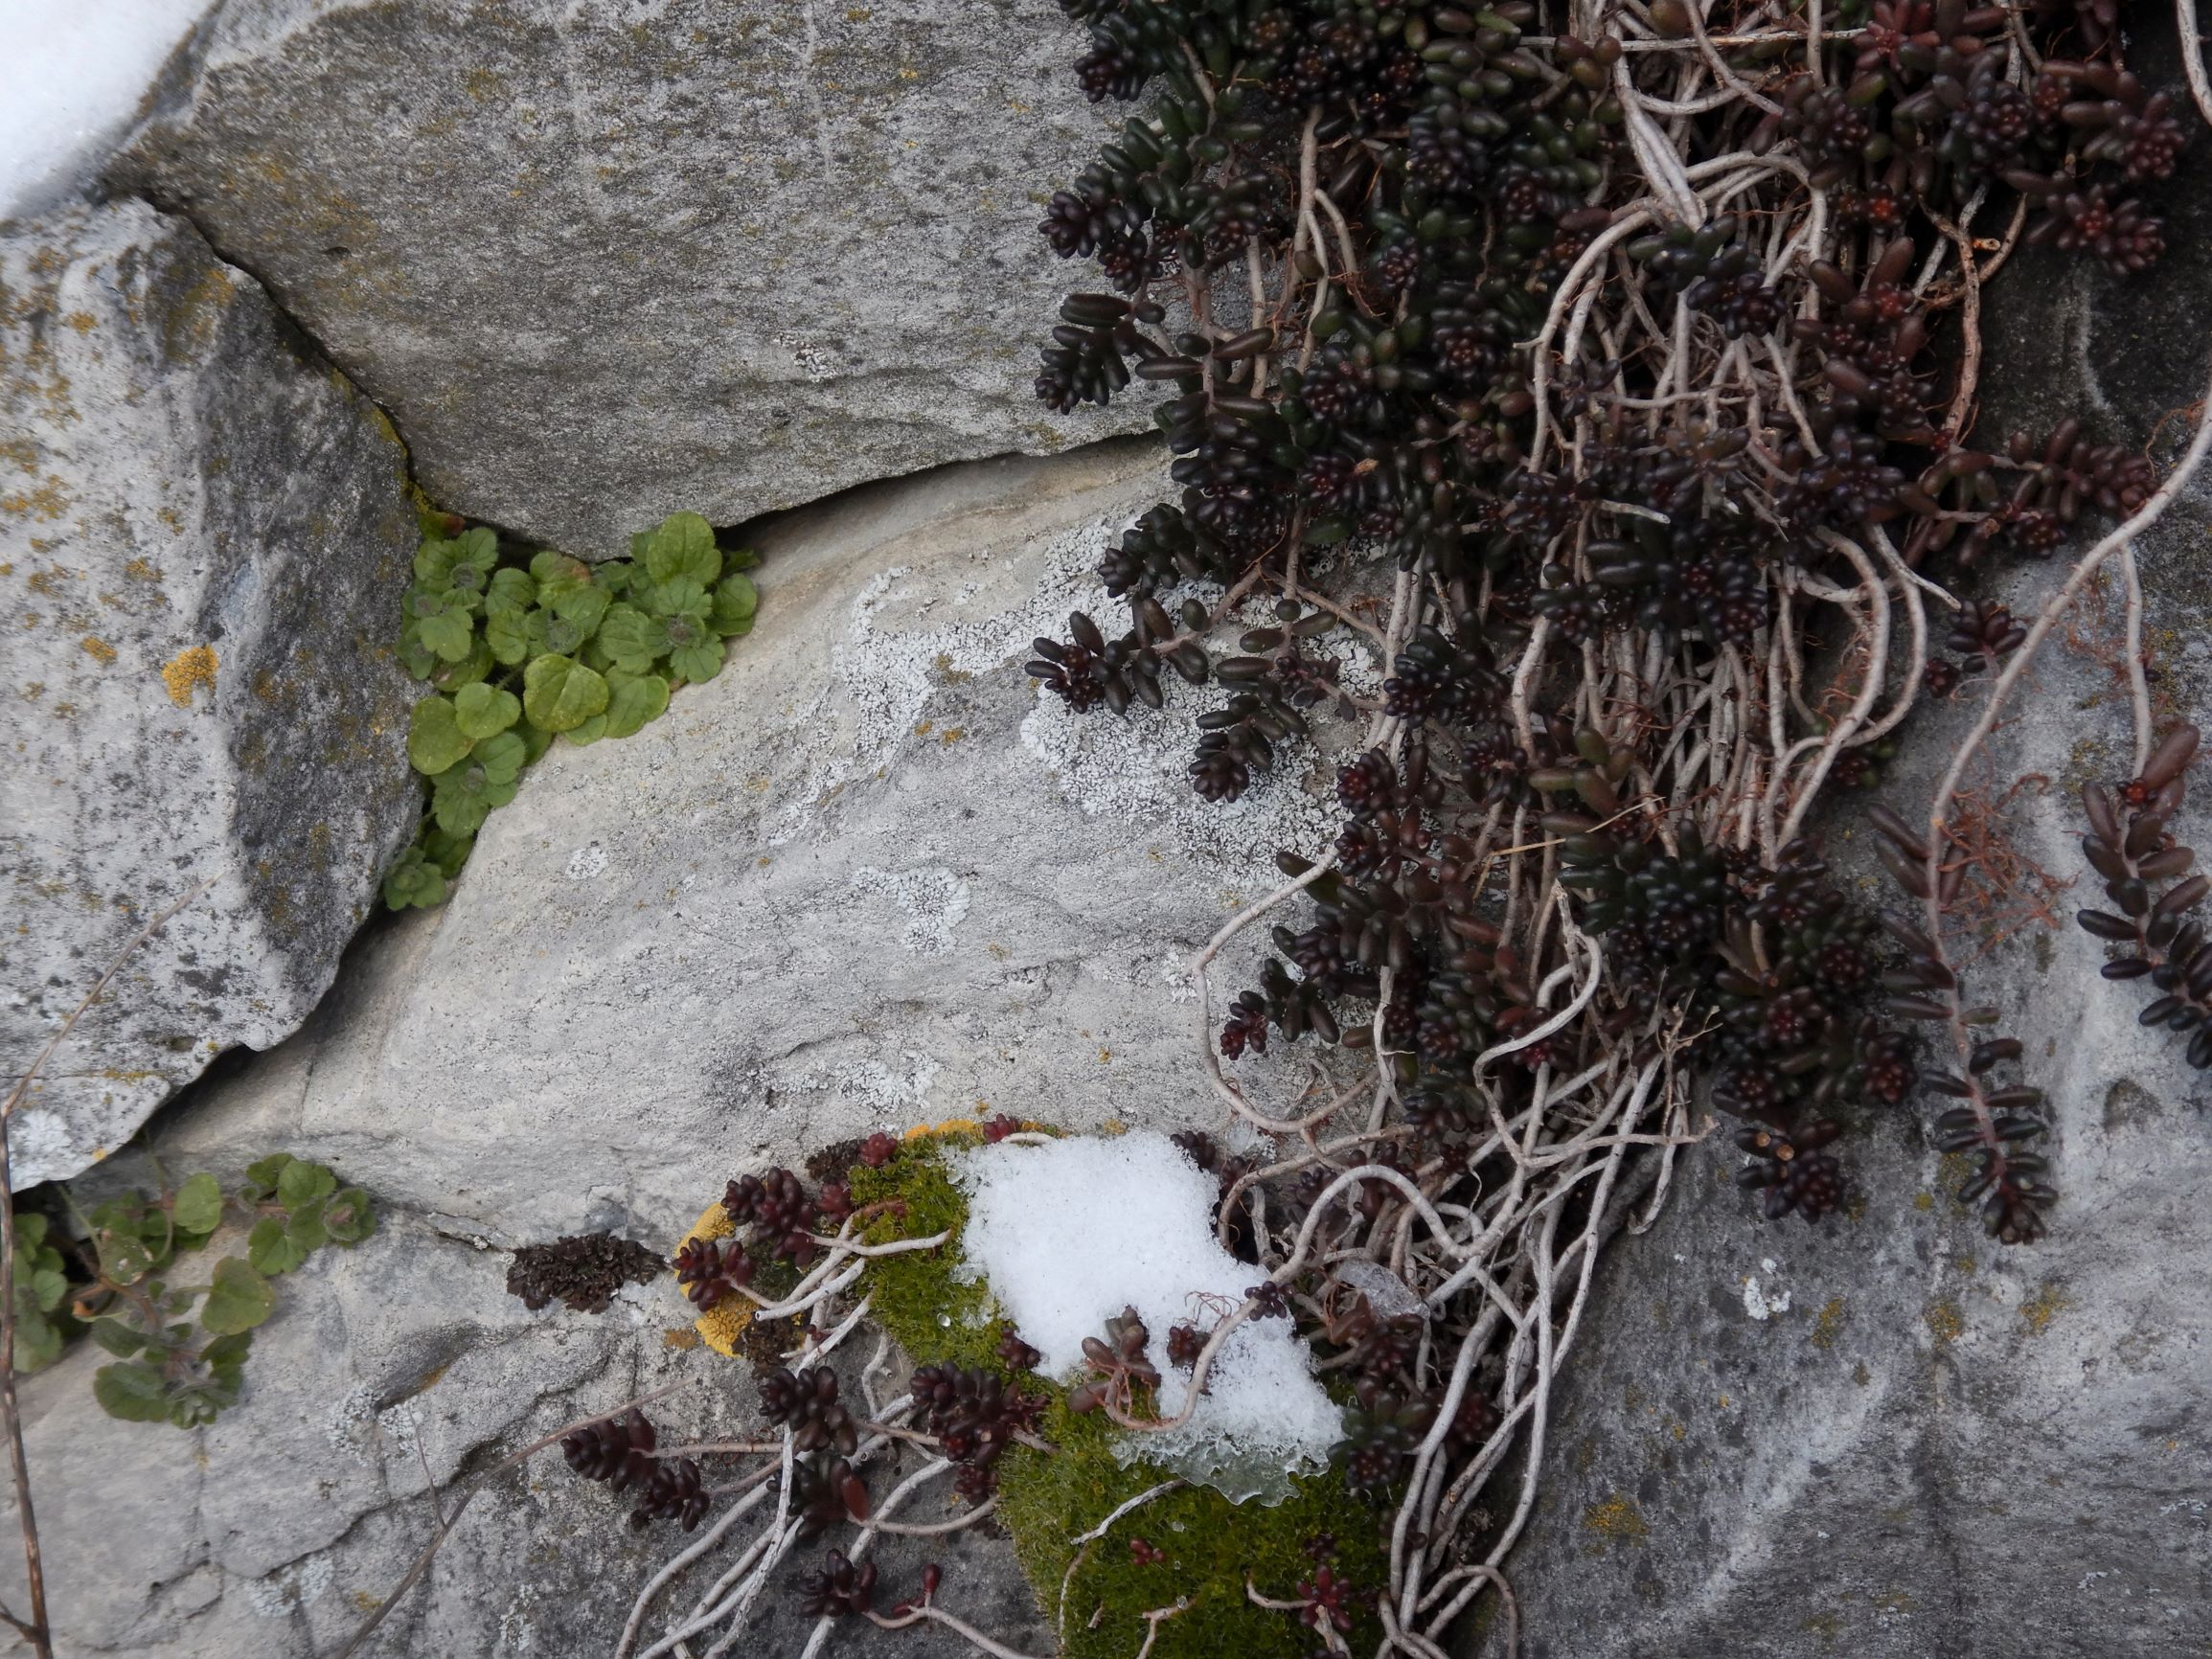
(867, 877)
(604, 263)
(202, 529)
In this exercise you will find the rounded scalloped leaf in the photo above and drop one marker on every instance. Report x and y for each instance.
(632, 700)
(238, 1300)
(557, 575)
(198, 1206)
(736, 599)
(683, 546)
(435, 740)
(695, 648)
(632, 640)
(483, 710)
(561, 694)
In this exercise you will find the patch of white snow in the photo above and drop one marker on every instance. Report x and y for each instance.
(72, 73)
(1070, 1233)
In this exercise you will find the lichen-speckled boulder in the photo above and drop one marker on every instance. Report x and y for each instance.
(603, 264)
(869, 876)
(204, 535)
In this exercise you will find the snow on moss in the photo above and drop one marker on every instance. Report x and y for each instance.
(1070, 1232)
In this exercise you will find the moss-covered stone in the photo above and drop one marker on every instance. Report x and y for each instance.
(1213, 1547)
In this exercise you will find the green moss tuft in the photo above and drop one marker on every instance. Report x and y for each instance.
(1045, 1499)
(1211, 1546)
(935, 1315)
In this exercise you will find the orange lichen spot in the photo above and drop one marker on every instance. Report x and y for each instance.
(83, 322)
(187, 671)
(98, 649)
(138, 570)
(720, 1326)
(1617, 1518)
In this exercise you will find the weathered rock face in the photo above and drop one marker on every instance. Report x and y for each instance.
(202, 531)
(601, 270)
(869, 876)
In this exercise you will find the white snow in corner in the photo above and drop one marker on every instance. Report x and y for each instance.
(71, 74)
(1760, 1304)
(1070, 1232)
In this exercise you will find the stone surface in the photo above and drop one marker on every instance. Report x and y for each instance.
(202, 529)
(869, 876)
(604, 263)
(272, 1533)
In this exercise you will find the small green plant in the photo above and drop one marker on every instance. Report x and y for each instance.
(42, 1322)
(521, 646)
(170, 1365)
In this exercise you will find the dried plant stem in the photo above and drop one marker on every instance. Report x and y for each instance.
(36, 1631)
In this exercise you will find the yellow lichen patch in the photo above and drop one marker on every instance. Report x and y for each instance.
(138, 570)
(1944, 1321)
(2038, 1310)
(719, 1327)
(83, 322)
(1617, 1518)
(187, 671)
(98, 649)
(1829, 1326)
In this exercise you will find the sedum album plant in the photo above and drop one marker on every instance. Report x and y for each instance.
(521, 646)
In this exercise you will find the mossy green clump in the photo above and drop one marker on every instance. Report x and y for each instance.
(919, 1298)
(1211, 1546)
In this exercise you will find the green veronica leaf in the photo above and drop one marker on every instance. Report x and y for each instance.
(558, 575)
(264, 1173)
(462, 798)
(349, 1217)
(476, 549)
(415, 882)
(238, 1300)
(554, 635)
(740, 558)
(695, 650)
(118, 1338)
(507, 635)
(200, 1205)
(305, 1230)
(475, 666)
(484, 711)
(511, 593)
(219, 1377)
(133, 1392)
(417, 658)
(30, 1237)
(39, 1341)
(583, 606)
(559, 694)
(125, 1257)
(271, 1247)
(590, 733)
(615, 575)
(435, 740)
(535, 740)
(447, 853)
(449, 630)
(736, 599)
(633, 700)
(303, 1183)
(676, 596)
(683, 546)
(634, 641)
